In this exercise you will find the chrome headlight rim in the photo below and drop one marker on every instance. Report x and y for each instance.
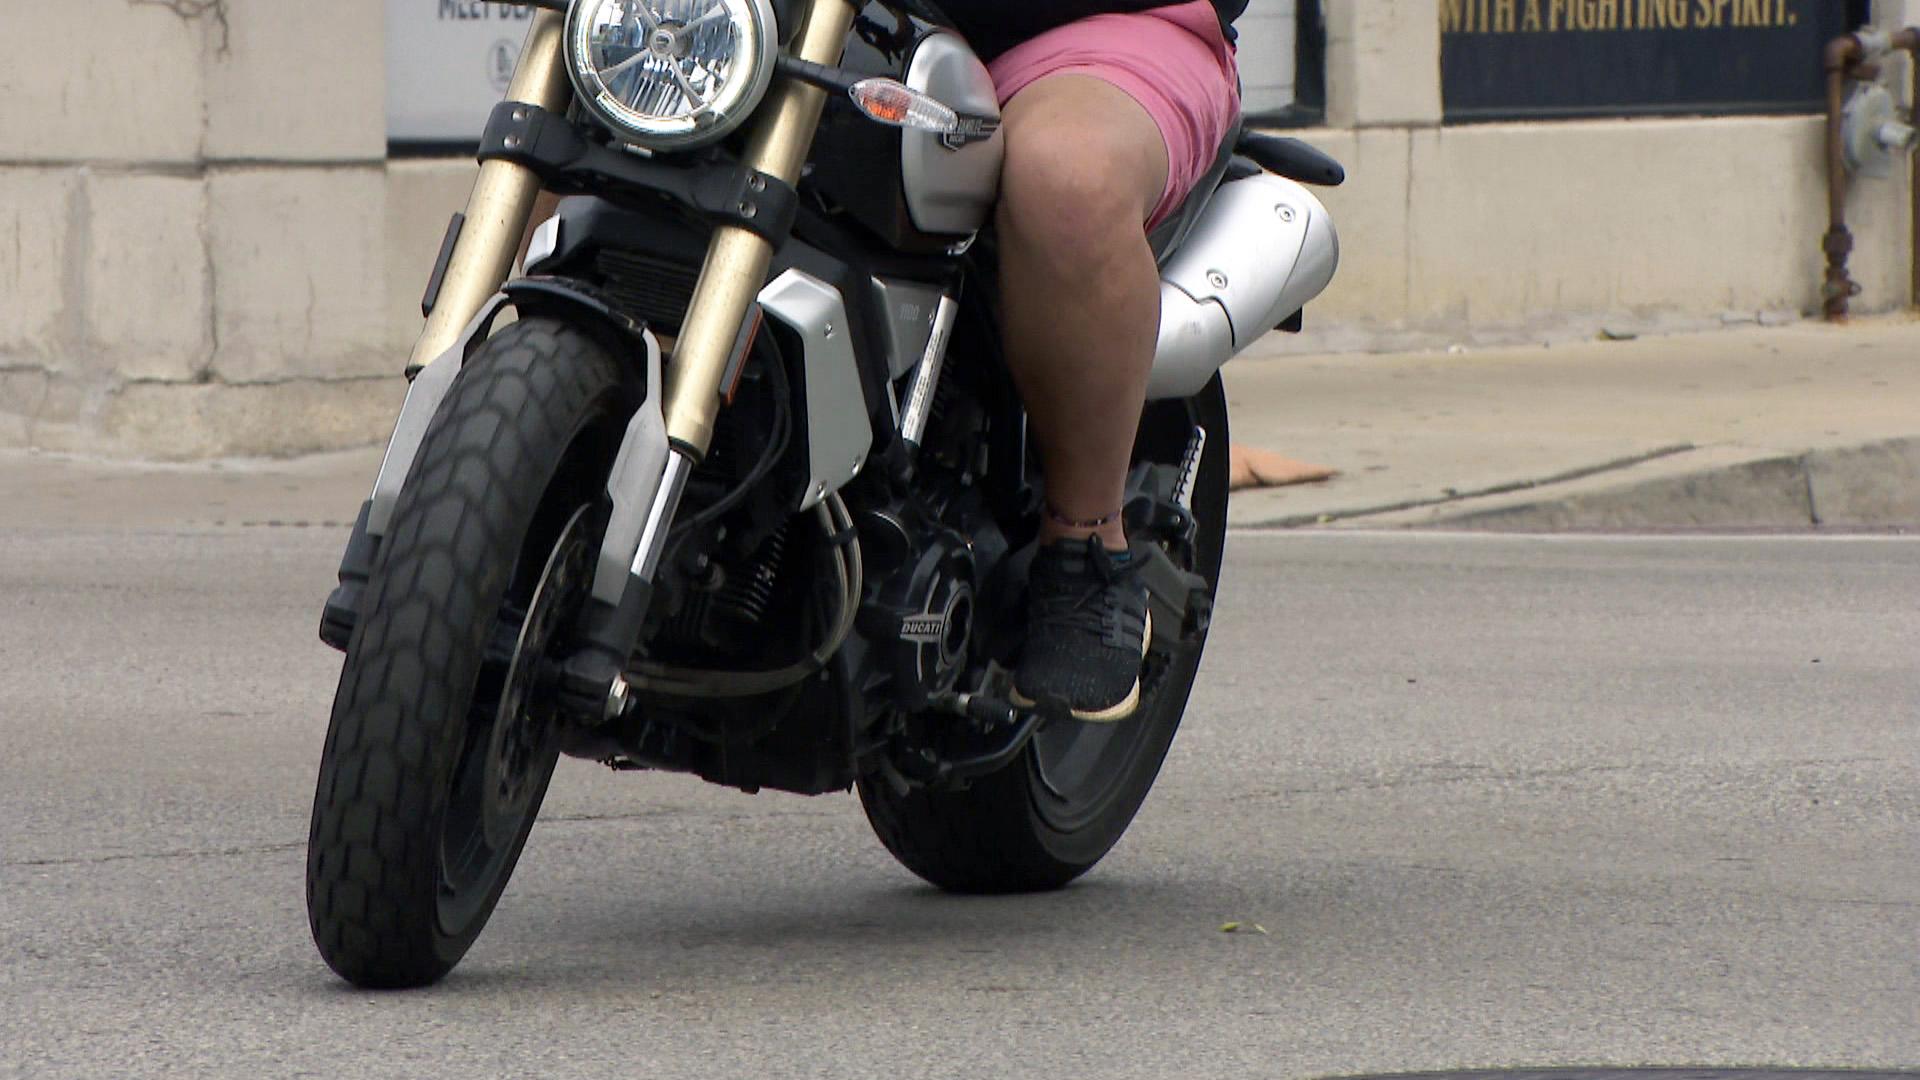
(741, 95)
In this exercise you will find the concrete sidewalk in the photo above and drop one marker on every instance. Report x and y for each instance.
(1763, 427)
(321, 491)
(1785, 427)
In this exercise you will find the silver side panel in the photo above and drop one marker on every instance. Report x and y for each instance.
(951, 190)
(1265, 247)
(424, 395)
(839, 434)
(633, 485)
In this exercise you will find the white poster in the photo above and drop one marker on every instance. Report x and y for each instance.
(448, 63)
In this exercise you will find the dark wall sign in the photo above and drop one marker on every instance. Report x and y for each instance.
(1537, 59)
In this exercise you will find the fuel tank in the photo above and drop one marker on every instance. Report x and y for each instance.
(951, 187)
(1264, 247)
(920, 193)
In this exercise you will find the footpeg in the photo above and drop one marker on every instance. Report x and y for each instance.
(1184, 488)
(1008, 729)
(984, 710)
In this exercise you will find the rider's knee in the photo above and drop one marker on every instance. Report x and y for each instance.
(1071, 183)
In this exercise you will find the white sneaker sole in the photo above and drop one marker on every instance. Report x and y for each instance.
(1112, 714)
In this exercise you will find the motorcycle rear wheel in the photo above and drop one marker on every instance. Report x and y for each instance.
(440, 749)
(1057, 810)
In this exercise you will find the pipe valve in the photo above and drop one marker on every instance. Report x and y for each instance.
(1874, 44)
(1896, 137)
(1865, 135)
(1874, 131)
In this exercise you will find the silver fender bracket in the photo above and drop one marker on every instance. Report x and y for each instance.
(425, 392)
(429, 384)
(641, 470)
(634, 484)
(839, 432)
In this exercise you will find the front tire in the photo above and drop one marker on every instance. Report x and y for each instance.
(1060, 807)
(438, 756)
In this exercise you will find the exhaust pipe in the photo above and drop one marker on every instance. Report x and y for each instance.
(1263, 249)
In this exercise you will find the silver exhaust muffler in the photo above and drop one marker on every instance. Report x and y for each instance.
(1263, 249)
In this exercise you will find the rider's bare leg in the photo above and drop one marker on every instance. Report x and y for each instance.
(1085, 166)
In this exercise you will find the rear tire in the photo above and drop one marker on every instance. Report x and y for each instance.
(1023, 829)
(428, 784)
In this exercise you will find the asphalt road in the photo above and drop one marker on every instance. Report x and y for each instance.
(1492, 801)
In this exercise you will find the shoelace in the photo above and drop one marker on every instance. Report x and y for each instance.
(1068, 606)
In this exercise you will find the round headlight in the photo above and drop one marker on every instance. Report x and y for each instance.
(670, 74)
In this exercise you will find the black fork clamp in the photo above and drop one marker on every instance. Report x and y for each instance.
(569, 163)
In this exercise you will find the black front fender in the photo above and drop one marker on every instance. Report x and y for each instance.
(576, 301)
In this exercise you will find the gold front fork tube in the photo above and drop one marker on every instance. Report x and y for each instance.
(501, 202)
(736, 266)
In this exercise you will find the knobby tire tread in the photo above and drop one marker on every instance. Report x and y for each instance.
(401, 711)
(956, 841)
(987, 838)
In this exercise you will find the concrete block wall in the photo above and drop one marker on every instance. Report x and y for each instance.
(1503, 233)
(1506, 233)
(192, 248)
(203, 249)
(296, 82)
(1383, 63)
(140, 102)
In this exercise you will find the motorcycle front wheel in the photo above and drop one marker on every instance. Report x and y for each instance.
(443, 738)
(1057, 810)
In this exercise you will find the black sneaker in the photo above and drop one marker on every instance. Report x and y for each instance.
(1087, 632)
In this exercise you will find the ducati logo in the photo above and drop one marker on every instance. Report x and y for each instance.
(971, 129)
(923, 629)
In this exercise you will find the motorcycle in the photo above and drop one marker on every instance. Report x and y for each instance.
(743, 489)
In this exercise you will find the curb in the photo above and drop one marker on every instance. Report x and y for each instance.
(1867, 486)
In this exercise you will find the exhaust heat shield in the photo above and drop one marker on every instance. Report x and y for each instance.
(1264, 247)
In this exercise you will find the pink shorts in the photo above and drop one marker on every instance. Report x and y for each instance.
(1173, 60)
